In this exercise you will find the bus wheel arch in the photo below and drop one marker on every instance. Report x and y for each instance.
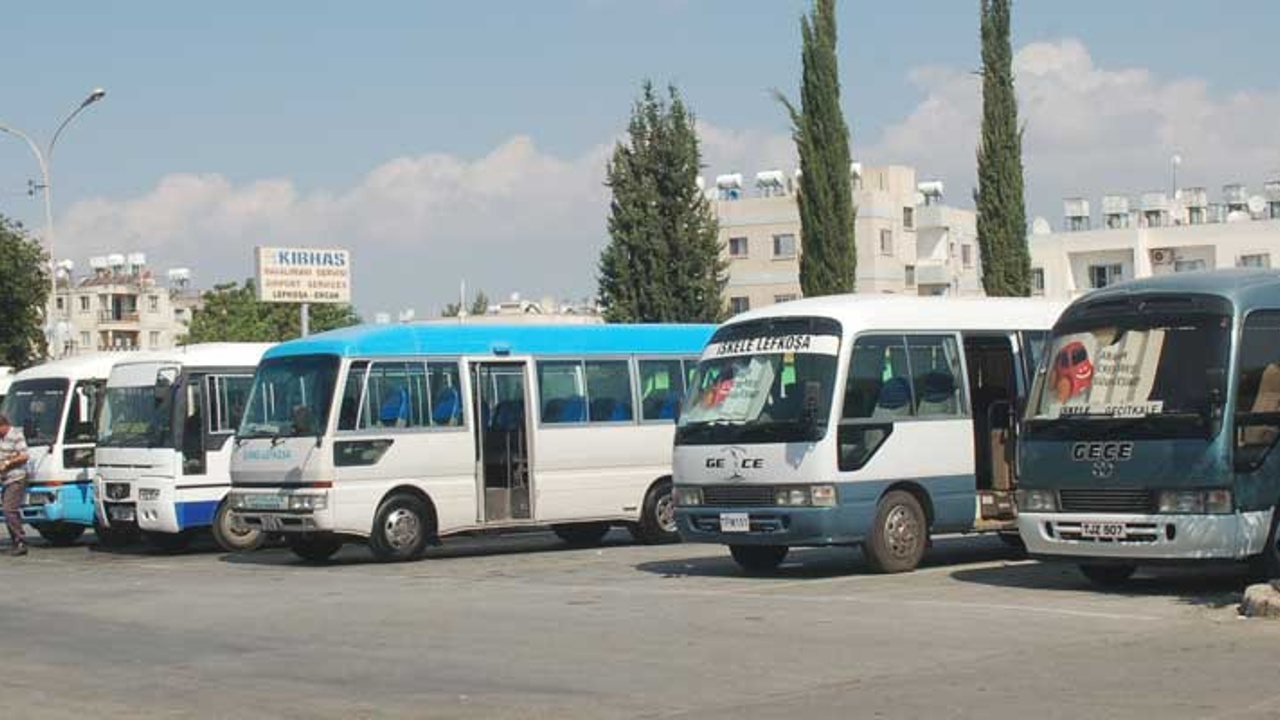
(921, 495)
(657, 515)
(402, 511)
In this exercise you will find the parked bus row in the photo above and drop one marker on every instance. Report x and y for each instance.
(1133, 428)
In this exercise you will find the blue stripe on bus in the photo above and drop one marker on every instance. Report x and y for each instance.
(196, 514)
(373, 340)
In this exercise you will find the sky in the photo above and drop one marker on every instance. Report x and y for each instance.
(446, 142)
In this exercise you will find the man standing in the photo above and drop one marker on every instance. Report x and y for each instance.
(13, 474)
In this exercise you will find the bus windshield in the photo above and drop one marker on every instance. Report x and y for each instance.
(136, 416)
(36, 407)
(290, 397)
(763, 381)
(1163, 375)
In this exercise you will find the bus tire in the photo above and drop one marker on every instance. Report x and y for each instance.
(1013, 541)
(314, 547)
(1266, 565)
(229, 538)
(60, 534)
(657, 524)
(756, 559)
(899, 534)
(1108, 576)
(167, 542)
(581, 534)
(402, 528)
(115, 537)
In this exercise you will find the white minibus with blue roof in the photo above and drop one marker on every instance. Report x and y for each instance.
(400, 435)
(164, 442)
(857, 420)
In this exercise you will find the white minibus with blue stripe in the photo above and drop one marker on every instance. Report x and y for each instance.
(400, 435)
(857, 420)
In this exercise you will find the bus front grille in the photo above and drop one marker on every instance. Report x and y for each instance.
(737, 495)
(1106, 501)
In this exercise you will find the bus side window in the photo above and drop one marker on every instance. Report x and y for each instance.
(877, 391)
(395, 396)
(193, 450)
(446, 394)
(609, 390)
(562, 391)
(1257, 416)
(227, 397)
(935, 369)
(82, 415)
(349, 410)
(661, 388)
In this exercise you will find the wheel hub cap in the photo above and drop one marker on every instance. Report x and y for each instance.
(902, 532)
(402, 528)
(666, 513)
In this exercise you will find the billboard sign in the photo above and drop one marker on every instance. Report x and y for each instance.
(303, 275)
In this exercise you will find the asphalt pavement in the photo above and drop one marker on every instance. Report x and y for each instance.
(523, 627)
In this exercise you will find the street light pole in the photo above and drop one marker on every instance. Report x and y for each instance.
(43, 159)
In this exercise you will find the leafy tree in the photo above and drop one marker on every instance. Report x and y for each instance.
(1002, 220)
(479, 306)
(828, 248)
(663, 262)
(233, 313)
(24, 291)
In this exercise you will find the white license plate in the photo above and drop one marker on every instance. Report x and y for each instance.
(124, 514)
(1103, 530)
(263, 502)
(735, 522)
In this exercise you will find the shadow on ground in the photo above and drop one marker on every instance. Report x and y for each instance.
(1215, 586)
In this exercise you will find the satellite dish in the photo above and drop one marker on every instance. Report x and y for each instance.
(1040, 226)
(1257, 204)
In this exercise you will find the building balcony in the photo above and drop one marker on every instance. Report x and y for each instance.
(124, 318)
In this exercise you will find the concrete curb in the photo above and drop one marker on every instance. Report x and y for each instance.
(1262, 600)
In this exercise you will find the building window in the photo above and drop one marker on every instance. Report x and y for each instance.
(739, 305)
(786, 297)
(909, 275)
(1189, 265)
(1037, 281)
(1255, 260)
(908, 218)
(154, 339)
(737, 247)
(85, 340)
(886, 242)
(61, 303)
(84, 303)
(1101, 276)
(966, 255)
(153, 303)
(784, 246)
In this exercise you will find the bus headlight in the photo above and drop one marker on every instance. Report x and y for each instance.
(1037, 501)
(688, 495)
(1194, 502)
(308, 502)
(805, 495)
(823, 495)
(236, 501)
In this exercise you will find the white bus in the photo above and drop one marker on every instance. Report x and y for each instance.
(56, 405)
(856, 420)
(399, 435)
(6, 377)
(164, 442)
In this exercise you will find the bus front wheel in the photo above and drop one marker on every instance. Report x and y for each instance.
(60, 534)
(758, 558)
(899, 534)
(658, 517)
(231, 538)
(1108, 576)
(316, 548)
(401, 529)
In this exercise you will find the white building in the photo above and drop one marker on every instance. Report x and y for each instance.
(121, 306)
(908, 240)
(1157, 234)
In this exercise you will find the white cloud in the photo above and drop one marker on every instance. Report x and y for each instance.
(1090, 130)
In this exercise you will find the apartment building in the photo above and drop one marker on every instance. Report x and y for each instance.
(120, 305)
(1154, 234)
(908, 241)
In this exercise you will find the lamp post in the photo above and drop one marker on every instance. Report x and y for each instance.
(44, 159)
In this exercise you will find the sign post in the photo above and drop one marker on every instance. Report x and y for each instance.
(303, 276)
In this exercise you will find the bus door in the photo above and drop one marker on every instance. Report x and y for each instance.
(502, 440)
(994, 384)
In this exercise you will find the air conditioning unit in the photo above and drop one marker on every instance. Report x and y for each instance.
(1162, 256)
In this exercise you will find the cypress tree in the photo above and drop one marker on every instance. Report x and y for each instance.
(663, 262)
(1002, 224)
(828, 259)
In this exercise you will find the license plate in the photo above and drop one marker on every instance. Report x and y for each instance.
(124, 514)
(34, 500)
(735, 522)
(1103, 530)
(263, 502)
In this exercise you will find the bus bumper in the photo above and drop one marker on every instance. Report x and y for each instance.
(1147, 537)
(168, 510)
(71, 503)
(791, 526)
(281, 510)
